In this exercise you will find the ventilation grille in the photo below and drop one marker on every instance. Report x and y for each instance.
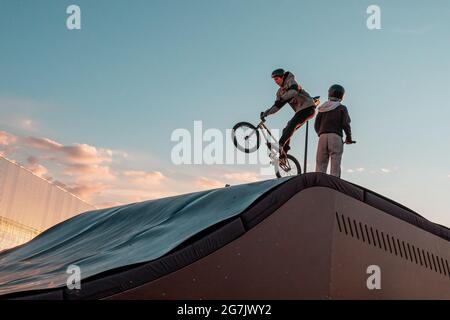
(391, 244)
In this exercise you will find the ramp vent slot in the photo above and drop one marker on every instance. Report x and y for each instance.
(390, 244)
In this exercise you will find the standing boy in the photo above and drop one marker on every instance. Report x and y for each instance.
(331, 120)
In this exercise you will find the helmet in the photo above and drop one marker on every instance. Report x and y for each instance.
(278, 73)
(336, 91)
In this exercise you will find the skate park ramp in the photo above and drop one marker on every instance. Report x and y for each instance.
(312, 236)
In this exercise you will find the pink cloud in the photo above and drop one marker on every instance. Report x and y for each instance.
(8, 143)
(101, 177)
(143, 178)
(84, 153)
(83, 172)
(206, 183)
(7, 139)
(27, 124)
(36, 168)
(43, 144)
(77, 153)
(86, 192)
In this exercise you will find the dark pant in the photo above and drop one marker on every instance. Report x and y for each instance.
(297, 120)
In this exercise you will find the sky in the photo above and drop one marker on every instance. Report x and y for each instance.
(93, 110)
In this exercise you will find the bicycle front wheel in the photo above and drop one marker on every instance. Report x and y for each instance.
(292, 168)
(245, 137)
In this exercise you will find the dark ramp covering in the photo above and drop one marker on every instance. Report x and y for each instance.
(102, 240)
(311, 236)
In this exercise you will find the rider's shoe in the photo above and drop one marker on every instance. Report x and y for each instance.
(282, 159)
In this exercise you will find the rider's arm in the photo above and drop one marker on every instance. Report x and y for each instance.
(293, 88)
(275, 108)
(283, 98)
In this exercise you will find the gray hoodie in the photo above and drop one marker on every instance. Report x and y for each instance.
(291, 93)
(331, 104)
(333, 117)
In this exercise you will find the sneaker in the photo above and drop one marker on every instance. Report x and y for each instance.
(282, 160)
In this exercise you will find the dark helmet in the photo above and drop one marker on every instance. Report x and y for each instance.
(278, 73)
(336, 91)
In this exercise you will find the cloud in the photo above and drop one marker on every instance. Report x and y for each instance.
(27, 124)
(101, 177)
(43, 144)
(86, 192)
(385, 170)
(86, 173)
(206, 183)
(154, 175)
(81, 169)
(7, 139)
(143, 179)
(359, 170)
(77, 153)
(83, 153)
(22, 114)
(8, 143)
(36, 168)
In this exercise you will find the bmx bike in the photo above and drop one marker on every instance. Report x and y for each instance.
(246, 138)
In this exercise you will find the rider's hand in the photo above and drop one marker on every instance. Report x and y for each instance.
(262, 116)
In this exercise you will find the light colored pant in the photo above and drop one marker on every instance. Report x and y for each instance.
(330, 147)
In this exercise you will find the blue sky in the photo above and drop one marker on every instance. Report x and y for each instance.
(137, 70)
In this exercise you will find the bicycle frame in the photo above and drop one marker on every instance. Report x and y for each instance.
(274, 146)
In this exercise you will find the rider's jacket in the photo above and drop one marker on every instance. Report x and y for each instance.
(290, 92)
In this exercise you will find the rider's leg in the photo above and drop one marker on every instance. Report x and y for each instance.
(323, 155)
(297, 120)
(336, 148)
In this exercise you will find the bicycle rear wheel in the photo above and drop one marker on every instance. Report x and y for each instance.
(292, 168)
(245, 137)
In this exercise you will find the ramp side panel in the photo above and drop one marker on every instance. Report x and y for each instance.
(412, 261)
(287, 256)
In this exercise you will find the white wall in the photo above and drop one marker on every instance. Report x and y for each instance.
(30, 204)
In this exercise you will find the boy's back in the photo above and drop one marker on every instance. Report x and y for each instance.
(334, 121)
